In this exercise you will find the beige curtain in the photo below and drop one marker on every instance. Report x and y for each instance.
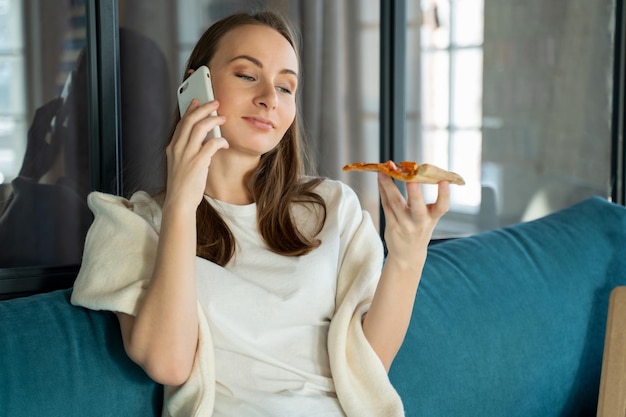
(332, 98)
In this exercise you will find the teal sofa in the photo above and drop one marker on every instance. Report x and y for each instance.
(506, 323)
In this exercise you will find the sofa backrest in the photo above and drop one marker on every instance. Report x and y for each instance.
(511, 322)
(61, 360)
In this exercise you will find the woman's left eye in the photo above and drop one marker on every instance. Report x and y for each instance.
(284, 90)
(245, 77)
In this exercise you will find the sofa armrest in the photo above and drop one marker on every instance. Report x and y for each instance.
(612, 396)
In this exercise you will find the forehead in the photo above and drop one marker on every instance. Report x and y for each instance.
(261, 42)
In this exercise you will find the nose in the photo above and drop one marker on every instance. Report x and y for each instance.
(266, 96)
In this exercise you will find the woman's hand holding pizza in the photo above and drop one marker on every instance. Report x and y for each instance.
(410, 222)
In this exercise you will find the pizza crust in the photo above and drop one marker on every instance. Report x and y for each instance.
(409, 171)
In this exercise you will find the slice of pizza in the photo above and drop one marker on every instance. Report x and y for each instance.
(409, 171)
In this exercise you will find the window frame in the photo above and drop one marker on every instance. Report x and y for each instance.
(618, 118)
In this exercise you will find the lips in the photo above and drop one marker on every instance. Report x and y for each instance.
(259, 122)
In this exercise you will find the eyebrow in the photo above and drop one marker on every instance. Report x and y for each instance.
(260, 64)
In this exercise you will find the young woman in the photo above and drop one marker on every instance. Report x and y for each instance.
(248, 288)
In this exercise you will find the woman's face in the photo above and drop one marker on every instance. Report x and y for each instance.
(254, 72)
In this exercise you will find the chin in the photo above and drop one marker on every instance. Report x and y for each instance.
(258, 146)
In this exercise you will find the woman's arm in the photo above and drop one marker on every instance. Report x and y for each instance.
(163, 336)
(409, 227)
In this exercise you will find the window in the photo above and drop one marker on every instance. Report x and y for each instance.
(450, 45)
(44, 156)
(13, 112)
(515, 97)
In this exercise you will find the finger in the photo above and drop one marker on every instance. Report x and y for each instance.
(414, 197)
(213, 145)
(180, 125)
(442, 204)
(394, 204)
(384, 199)
(194, 104)
(195, 113)
(198, 111)
(201, 130)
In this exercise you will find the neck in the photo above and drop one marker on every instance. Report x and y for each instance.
(225, 181)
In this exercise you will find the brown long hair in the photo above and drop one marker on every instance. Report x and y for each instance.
(277, 183)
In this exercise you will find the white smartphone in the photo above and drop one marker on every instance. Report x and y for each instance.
(198, 85)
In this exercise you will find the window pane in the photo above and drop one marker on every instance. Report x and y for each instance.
(436, 24)
(436, 147)
(12, 147)
(467, 28)
(435, 150)
(13, 121)
(44, 173)
(11, 24)
(435, 89)
(12, 97)
(529, 87)
(465, 157)
(467, 87)
(547, 107)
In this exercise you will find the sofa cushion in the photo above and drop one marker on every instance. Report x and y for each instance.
(61, 360)
(511, 322)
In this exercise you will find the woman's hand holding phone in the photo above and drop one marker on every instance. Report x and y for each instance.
(196, 139)
(189, 154)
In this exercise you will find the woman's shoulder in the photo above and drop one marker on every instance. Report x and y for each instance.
(330, 189)
(338, 196)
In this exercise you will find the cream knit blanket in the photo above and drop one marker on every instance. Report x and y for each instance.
(119, 255)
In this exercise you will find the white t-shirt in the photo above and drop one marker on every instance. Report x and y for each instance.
(269, 316)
